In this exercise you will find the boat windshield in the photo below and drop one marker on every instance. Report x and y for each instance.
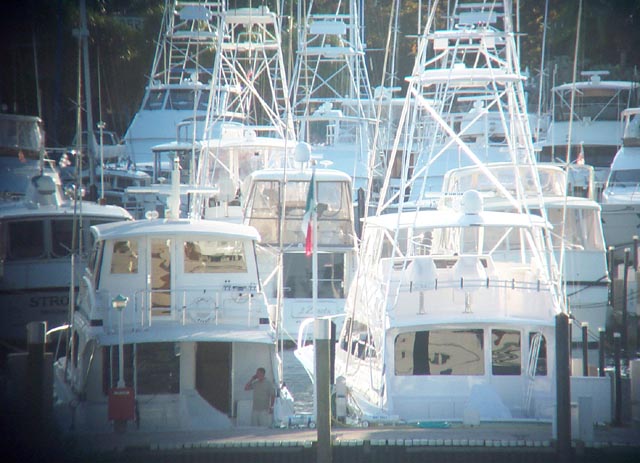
(625, 178)
(595, 104)
(334, 212)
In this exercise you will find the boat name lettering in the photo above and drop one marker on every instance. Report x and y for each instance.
(48, 301)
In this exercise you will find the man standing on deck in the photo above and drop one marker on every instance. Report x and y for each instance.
(263, 398)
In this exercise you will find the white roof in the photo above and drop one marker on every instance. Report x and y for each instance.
(295, 174)
(451, 218)
(604, 84)
(25, 210)
(171, 227)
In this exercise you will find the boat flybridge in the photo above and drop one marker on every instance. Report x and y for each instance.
(180, 80)
(171, 321)
(577, 237)
(594, 122)
(621, 196)
(302, 278)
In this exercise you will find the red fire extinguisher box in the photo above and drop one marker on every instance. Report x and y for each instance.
(121, 404)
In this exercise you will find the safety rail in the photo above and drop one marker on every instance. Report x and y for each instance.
(227, 305)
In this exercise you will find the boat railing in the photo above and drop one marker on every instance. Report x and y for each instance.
(226, 305)
(463, 272)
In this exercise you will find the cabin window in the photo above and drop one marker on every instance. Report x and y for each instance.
(439, 352)
(155, 100)
(538, 354)
(298, 275)
(180, 99)
(207, 256)
(26, 240)
(577, 229)
(124, 258)
(95, 261)
(203, 102)
(62, 237)
(506, 355)
(157, 368)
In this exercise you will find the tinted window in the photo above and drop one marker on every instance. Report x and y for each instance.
(26, 239)
(61, 237)
(439, 352)
(506, 355)
(204, 256)
(124, 258)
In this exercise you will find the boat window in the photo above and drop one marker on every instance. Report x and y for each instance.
(180, 99)
(124, 258)
(625, 178)
(61, 237)
(155, 99)
(595, 104)
(157, 368)
(263, 210)
(334, 214)
(95, 261)
(538, 354)
(578, 229)
(298, 275)
(203, 102)
(506, 356)
(208, 256)
(25, 240)
(439, 352)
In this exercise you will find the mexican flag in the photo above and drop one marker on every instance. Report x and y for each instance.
(309, 209)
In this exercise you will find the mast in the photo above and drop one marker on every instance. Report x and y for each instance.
(83, 36)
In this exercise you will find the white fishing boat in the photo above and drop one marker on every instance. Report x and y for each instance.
(41, 232)
(302, 282)
(171, 322)
(451, 312)
(577, 237)
(332, 103)
(621, 196)
(181, 77)
(586, 121)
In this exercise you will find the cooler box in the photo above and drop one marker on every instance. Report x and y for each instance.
(122, 404)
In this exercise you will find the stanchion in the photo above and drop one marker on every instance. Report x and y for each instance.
(601, 347)
(612, 274)
(585, 349)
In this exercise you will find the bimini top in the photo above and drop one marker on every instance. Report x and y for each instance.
(451, 218)
(165, 227)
